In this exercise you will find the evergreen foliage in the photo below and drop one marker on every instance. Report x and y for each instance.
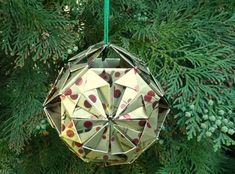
(188, 45)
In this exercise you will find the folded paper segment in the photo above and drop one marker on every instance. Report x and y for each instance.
(74, 79)
(128, 80)
(135, 104)
(53, 113)
(107, 111)
(128, 95)
(92, 105)
(99, 141)
(70, 133)
(86, 128)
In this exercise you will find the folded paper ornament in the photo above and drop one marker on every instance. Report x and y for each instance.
(106, 109)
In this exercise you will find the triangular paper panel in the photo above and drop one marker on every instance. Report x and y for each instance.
(125, 143)
(60, 82)
(136, 114)
(99, 141)
(153, 118)
(127, 97)
(125, 53)
(128, 80)
(117, 93)
(116, 159)
(93, 97)
(74, 147)
(114, 143)
(80, 113)
(96, 155)
(93, 84)
(144, 88)
(107, 63)
(134, 104)
(53, 112)
(70, 133)
(161, 119)
(84, 55)
(130, 134)
(77, 67)
(85, 135)
(69, 103)
(65, 120)
(148, 134)
(123, 57)
(87, 105)
(75, 81)
(148, 107)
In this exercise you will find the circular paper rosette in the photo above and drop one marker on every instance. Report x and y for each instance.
(106, 110)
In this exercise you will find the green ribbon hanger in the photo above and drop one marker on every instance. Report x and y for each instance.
(106, 21)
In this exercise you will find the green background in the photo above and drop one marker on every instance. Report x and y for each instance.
(188, 45)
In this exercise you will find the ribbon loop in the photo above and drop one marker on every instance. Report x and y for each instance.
(106, 21)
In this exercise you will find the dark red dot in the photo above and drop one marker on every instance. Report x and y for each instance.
(62, 127)
(149, 125)
(69, 133)
(79, 81)
(135, 141)
(147, 98)
(70, 125)
(78, 144)
(104, 76)
(113, 139)
(80, 151)
(104, 136)
(151, 93)
(92, 98)
(97, 129)
(68, 92)
(142, 123)
(105, 157)
(87, 124)
(117, 74)
(117, 93)
(87, 104)
(74, 97)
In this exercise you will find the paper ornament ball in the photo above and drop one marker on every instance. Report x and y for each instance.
(106, 105)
